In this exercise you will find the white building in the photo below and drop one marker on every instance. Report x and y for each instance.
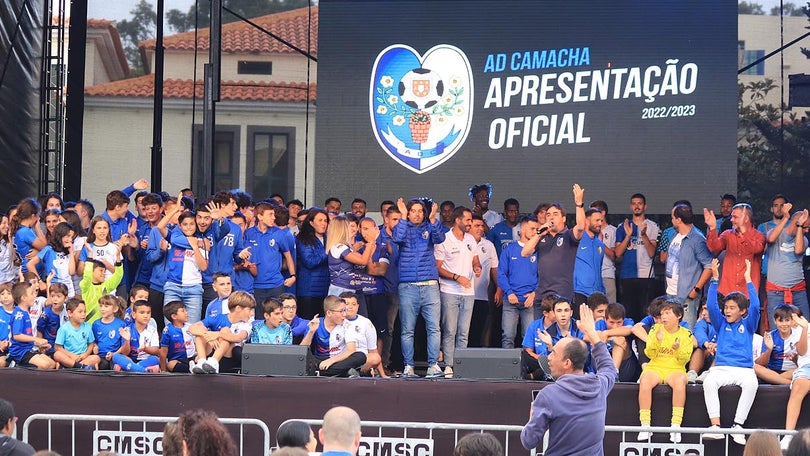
(262, 142)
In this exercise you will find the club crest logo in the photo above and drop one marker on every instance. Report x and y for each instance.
(421, 106)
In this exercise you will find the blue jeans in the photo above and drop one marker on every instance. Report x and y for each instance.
(509, 323)
(190, 295)
(413, 301)
(778, 297)
(456, 316)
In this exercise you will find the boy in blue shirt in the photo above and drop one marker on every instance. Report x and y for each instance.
(23, 340)
(703, 356)
(517, 277)
(75, 341)
(221, 337)
(272, 330)
(6, 310)
(734, 363)
(177, 348)
(778, 359)
(53, 316)
(221, 283)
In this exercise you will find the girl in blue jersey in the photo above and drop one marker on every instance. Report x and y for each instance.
(111, 332)
(778, 359)
(341, 258)
(58, 257)
(187, 258)
(26, 230)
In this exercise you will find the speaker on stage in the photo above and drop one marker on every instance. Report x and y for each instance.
(264, 359)
(487, 363)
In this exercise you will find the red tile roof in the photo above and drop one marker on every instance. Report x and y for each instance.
(144, 87)
(104, 24)
(240, 37)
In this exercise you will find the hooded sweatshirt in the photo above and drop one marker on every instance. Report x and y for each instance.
(573, 410)
(13, 447)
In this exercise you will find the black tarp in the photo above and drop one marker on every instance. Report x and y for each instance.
(20, 60)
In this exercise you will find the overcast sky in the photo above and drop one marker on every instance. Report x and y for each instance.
(119, 9)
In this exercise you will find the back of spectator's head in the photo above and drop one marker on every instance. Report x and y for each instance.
(340, 430)
(478, 444)
(800, 445)
(204, 435)
(6, 417)
(762, 443)
(295, 434)
(172, 440)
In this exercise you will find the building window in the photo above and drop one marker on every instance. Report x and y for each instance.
(224, 163)
(747, 56)
(270, 161)
(251, 67)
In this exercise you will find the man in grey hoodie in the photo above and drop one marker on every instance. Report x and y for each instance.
(573, 408)
(9, 446)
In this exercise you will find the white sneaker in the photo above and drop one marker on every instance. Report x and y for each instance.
(434, 371)
(712, 434)
(211, 366)
(700, 378)
(675, 437)
(785, 442)
(644, 435)
(691, 376)
(738, 438)
(408, 372)
(196, 368)
(448, 372)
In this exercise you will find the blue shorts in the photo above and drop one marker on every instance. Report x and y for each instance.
(801, 372)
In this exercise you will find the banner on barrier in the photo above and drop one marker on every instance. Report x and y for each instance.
(660, 449)
(126, 443)
(384, 446)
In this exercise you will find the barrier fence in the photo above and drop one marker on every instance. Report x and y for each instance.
(141, 435)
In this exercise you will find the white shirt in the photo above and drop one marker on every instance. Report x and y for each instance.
(457, 256)
(609, 239)
(489, 259)
(364, 331)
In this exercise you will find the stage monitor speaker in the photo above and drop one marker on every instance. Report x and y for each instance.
(487, 363)
(264, 359)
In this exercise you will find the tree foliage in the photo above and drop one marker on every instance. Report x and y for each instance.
(179, 21)
(773, 158)
(788, 9)
(141, 26)
(750, 8)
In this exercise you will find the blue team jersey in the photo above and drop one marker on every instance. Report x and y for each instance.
(48, 324)
(20, 324)
(601, 325)
(262, 334)
(108, 336)
(216, 307)
(320, 341)
(784, 351)
(267, 251)
(223, 252)
(75, 340)
(215, 323)
(179, 342)
(5, 324)
(734, 340)
(532, 338)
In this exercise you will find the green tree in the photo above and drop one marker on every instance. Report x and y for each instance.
(141, 26)
(771, 158)
(788, 9)
(750, 8)
(179, 21)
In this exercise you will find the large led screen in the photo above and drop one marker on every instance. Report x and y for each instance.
(426, 98)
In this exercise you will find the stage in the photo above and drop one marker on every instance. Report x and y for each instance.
(275, 399)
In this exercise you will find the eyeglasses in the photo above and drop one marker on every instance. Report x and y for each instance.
(343, 311)
(289, 307)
